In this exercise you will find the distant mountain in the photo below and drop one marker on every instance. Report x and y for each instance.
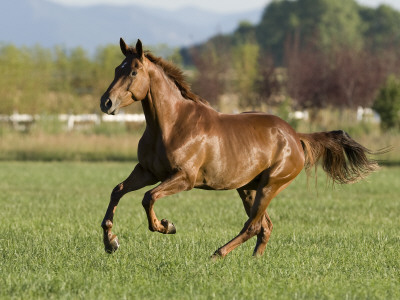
(29, 22)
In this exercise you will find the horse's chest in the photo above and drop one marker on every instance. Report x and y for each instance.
(153, 157)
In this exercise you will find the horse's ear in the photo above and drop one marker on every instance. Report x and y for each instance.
(124, 47)
(139, 49)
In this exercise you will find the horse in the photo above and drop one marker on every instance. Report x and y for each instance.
(187, 144)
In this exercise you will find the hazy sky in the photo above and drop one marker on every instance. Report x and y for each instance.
(211, 5)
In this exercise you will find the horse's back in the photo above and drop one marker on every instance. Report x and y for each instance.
(249, 122)
(242, 146)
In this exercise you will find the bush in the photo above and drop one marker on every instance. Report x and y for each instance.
(387, 104)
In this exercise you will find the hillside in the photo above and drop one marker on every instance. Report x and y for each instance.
(30, 22)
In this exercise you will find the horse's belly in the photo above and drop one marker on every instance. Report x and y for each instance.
(228, 178)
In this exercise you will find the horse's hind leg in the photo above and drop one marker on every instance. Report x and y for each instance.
(137, 179)
(263, 236)
(267, 189)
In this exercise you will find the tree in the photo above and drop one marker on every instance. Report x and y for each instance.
(270, 80)
(11, 82)
(387, 103)
(62, 73)
(105, 61)
(309, 76)
(279, 21)
(82, 72)
(342, 78)
(246, 32)
(245, 65)
(381, 27)
(27, 73)
(336, 23)
(357, 76)
(212, 62)
(327, 23)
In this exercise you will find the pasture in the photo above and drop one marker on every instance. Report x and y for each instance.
(327, 243)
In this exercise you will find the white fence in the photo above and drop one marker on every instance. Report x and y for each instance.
(367, 114)
(23, 121)
(19, 121)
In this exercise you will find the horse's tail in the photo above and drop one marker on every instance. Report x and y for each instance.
(343, 159)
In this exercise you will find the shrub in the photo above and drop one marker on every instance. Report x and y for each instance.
(387, 103)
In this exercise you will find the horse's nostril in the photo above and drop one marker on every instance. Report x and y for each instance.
(108, 104)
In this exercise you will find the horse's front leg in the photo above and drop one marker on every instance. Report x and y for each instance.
(137, 179)
(175, 184)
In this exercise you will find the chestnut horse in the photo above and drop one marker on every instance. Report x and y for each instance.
(187, 144)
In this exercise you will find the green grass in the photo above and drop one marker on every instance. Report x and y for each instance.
(340, 243)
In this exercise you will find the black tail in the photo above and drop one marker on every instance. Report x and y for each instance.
(343, 159)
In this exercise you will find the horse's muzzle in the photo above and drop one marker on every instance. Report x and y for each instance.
(107, 106)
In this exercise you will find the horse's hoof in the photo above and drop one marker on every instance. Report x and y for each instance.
(216, 256)
(112, 245)
(169, 226)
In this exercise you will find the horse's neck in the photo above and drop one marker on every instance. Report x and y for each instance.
(162, 103)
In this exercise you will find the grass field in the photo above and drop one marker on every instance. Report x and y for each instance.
(341, 243)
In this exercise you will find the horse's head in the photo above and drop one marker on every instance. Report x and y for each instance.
(131, 81)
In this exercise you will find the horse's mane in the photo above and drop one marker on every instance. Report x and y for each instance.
(177, 77)
(175, 74)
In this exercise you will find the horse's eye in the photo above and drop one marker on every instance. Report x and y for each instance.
(134, 73)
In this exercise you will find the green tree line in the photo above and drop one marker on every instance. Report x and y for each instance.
(39, 80)
(312, 53)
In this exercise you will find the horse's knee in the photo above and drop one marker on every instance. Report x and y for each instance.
(116, 192)
(270, 226)
(267, 223)
(251, 229)
(265, 231)
(264, 234)
(147, 200)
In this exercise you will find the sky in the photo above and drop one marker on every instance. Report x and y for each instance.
(226, 6)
